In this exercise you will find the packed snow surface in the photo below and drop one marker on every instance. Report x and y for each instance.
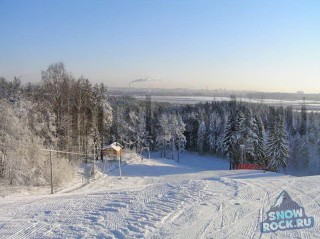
(159, 198)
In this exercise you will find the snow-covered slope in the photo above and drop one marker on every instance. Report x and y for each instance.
(198, 198)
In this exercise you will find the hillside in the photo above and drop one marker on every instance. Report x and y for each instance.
(158, 198)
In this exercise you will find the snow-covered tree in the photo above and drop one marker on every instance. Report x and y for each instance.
(170, 134)
(277, 145)
(215, 131)
(164, 134)
(230, 139)
(234, 137)
(247, 135)
(180, 137)
(303, 120)
(21, 159)
(201, 136)
(173, 125)
(141, 131)
(260, 149)
(102, 113)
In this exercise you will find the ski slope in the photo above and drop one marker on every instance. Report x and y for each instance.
(158, 198)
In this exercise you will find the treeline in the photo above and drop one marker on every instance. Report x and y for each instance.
(278, 138)
(61, 112)
(72, 114)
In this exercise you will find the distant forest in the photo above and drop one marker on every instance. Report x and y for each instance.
(72, 114)
(215, 93)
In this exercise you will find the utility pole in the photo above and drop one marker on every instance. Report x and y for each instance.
(94, 159)
(119, 166)
(179, 151)
(51, 170)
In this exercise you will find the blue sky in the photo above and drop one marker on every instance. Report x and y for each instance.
(255, 45)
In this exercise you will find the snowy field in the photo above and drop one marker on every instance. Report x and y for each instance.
(158, 198)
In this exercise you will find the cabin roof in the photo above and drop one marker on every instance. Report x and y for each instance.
(116, 146)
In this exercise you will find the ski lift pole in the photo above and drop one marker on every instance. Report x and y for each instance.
(145, 148)
(119, 166)
(94, 159)
(51, 171)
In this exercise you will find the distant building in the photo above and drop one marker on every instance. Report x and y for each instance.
(233, 98)
(113, 151)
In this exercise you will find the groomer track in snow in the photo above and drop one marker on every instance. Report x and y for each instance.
(198, 198)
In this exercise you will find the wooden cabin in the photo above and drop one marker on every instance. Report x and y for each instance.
(113, 151)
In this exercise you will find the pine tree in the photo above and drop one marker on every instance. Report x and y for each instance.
(303, 122)
(234, 137)
(303, 152)
(289, 121)
(260, 150)
(181, 138)
(230, 140)
(201, 137)
(148, 116)
(277, 145)
(247, 135)
(215, 130)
